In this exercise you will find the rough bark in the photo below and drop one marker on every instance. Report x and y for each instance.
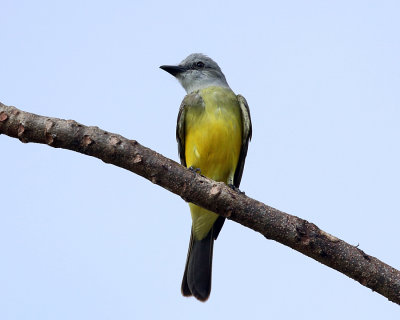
(289, 230)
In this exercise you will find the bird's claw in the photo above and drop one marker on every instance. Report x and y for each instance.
(235, 188)
(196, 170)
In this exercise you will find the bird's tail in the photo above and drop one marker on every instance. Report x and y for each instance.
(197, 276)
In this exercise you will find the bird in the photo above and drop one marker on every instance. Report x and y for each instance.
(213, 133)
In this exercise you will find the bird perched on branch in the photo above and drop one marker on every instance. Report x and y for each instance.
(213, 133)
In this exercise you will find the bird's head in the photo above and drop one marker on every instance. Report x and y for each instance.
(196, 72)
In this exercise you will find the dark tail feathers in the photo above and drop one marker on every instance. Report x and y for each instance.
(197, 276)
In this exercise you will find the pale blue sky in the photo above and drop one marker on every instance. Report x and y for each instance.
(81, 239)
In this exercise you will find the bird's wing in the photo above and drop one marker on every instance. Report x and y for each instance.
(191, 100)
(247, 130)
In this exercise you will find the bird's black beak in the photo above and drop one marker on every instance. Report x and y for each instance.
(174, 70)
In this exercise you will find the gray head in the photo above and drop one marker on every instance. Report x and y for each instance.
(196, 72)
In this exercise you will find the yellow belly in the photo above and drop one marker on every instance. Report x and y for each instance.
(212, 144)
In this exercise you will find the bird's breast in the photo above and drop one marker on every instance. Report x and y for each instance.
(214, 134)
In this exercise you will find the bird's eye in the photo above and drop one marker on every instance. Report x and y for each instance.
(200, 64)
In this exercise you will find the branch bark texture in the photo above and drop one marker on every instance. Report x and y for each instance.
(287, 229)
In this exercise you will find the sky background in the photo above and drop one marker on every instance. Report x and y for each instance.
(81, 239)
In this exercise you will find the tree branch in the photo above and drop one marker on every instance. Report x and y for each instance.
(289, 230)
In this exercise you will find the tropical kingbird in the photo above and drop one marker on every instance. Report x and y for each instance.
(213, 133)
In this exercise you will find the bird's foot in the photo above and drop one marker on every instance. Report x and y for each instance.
(196, 170)
(235, 188)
